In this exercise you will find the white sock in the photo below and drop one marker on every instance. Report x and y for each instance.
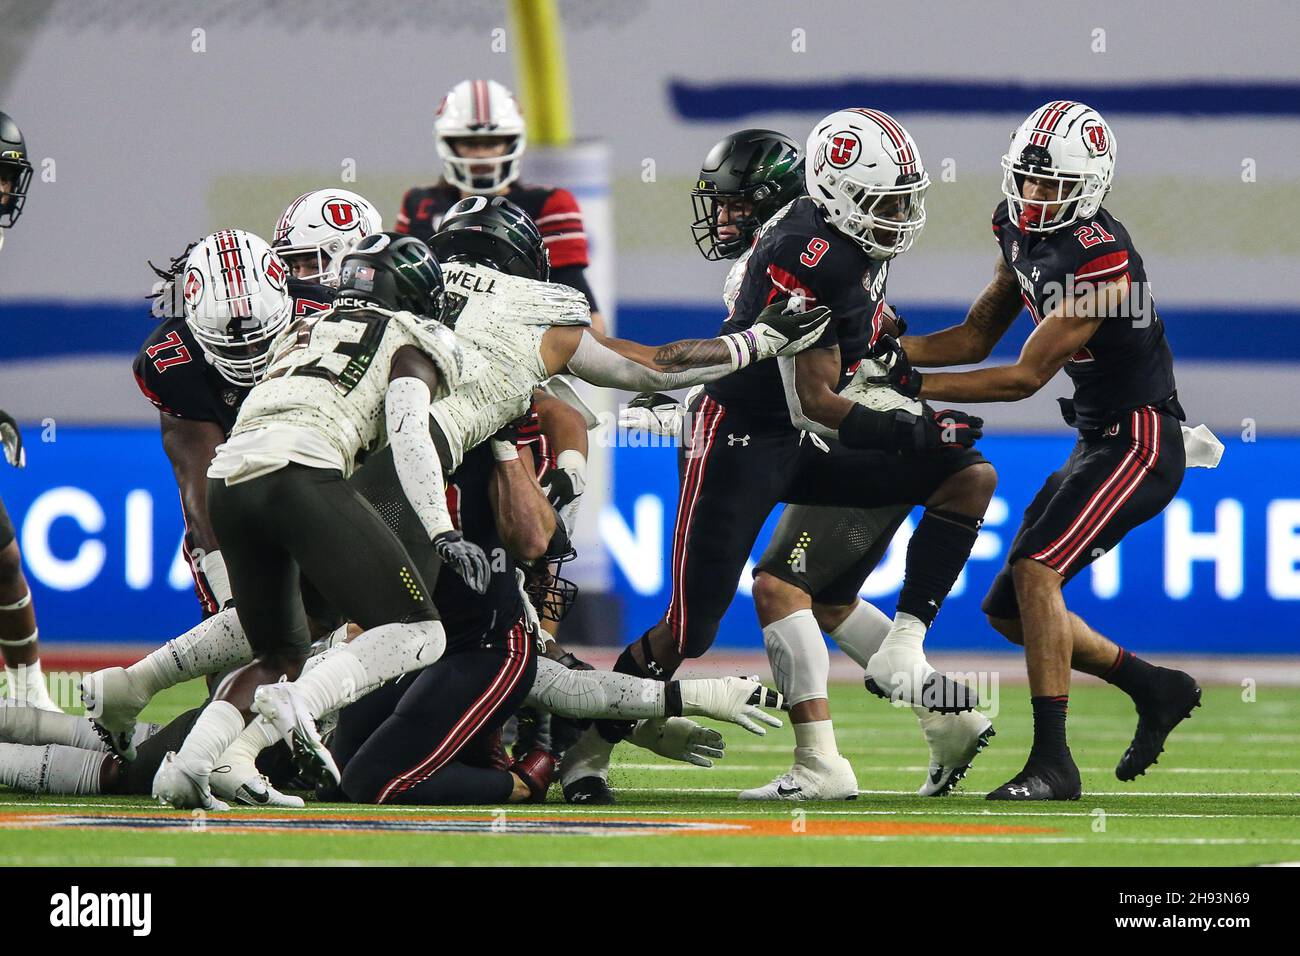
(859, 635)
(20, 724)
(906, 632)
(53, 768)
(209, 647)
(252, 740)
(348, 671)
(800, 663)
(589, 757)
(816, 735)
(216, 729)
(27, 683)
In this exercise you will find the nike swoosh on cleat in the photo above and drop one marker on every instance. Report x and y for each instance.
(788, 791)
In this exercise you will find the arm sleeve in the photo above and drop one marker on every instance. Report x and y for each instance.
(600, 365)
(797, 417)
(560, 222)
(414, 457)
(575, 277)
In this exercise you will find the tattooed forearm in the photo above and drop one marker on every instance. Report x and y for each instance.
(691, 353)
(986, 322)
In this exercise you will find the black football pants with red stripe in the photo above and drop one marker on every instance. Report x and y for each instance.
(1115, 479)
(736, 471)
(420, 740)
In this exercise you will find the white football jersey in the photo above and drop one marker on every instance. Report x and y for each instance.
(500, 318)
(328, 378)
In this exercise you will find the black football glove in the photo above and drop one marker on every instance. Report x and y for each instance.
(942, 430)
(465, 557)
(12, 439)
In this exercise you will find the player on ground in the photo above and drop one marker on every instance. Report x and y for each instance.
(1077, 271)
(865, 205)
(818, 558)
(18, 634)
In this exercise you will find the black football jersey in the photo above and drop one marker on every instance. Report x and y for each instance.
(467, 615)
(797, 251)
(1127, 363)
(172, 372)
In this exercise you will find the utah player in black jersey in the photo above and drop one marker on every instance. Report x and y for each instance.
(832, 248)
(198, 395)
(1075, 268)
(18, 633)
(481, 136)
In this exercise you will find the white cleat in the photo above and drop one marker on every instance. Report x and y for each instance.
(955, 740)
(284, 707)
(239, 785)
(900, 673)
(179, 785)
(112, 703)
(813, 777)
(738, 700)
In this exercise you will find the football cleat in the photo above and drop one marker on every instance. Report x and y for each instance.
(1042, 781)
(243, 784)
(536, 769)
(284, 707)
(179, 785)
(900, 673)
(813, 777)
(955, 740)
(592, 791)
(1157, 717)
(113, 703)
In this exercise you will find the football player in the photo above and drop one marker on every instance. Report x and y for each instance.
(832, 247)
(198, 391)
(480, 137)
(357, 377)
(818, 558)
(1073, 265)
(18, 634)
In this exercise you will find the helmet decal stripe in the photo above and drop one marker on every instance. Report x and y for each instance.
(903, 149)
(1048, 121)
(482, 104)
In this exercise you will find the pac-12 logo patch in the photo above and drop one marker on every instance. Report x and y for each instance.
(341, 214)
(1094, 134)
(843, 149)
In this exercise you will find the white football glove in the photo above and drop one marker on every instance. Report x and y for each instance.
(12, 439)
(679, 738)
(653, 412)
(738, 700)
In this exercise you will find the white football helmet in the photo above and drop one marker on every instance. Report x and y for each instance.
(475, 109)
(236, 292)
(864, 169)
(1065, 143)
(326, 224)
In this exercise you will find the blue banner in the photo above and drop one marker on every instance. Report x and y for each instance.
(100, 527)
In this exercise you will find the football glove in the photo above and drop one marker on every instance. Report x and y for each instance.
(784, 328)
(466, 559)
(679, 738)
(12, 439)
(944, 429)
(901, 377)
(653, 412)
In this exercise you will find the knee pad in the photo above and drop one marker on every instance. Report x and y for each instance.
(800, 663)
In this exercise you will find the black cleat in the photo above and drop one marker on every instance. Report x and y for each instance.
(1168, 706)
(593, 791)
(938, 694)
(1042, 781)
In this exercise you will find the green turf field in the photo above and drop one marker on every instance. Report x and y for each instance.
(1227, 791)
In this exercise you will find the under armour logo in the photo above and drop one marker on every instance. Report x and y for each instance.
(733, 440)
(1018, 791)
(654, 668)
(1035, 274)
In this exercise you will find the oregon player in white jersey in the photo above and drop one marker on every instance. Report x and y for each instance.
(358, 377)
